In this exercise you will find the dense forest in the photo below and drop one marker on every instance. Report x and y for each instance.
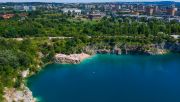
(15, 57)
(42, 24)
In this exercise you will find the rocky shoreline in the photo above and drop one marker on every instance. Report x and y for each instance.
(25, 95)
(152, 49)
(22, 94)
(133, 52)
(136, 49)
(18, 95)
(70, 59)
(78, 58)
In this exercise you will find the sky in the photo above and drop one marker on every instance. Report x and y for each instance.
(68, 1)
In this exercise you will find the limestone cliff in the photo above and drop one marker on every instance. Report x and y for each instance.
(70, 59)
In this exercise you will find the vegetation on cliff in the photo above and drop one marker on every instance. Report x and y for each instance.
(37, 49)
(17, 56)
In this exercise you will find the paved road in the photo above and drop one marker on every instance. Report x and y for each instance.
(61, 37)
(50, 38)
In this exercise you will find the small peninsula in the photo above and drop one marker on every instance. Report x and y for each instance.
(70, 59)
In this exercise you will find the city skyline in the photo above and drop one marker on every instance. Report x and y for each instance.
(84, 1)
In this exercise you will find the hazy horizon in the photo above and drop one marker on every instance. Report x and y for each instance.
(84, 1)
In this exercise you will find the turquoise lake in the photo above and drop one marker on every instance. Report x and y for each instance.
(111, 78)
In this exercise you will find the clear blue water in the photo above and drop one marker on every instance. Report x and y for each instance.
(111, 78)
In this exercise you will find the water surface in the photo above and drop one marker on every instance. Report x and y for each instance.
(111, 78)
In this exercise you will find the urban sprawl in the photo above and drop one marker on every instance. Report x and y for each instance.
(166, 11)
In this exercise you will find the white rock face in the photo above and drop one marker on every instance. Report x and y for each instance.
(70, 59)
(14, 95)
(175, 36)
(25, 73)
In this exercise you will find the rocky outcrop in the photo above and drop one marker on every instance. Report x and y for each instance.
(22, 94)
(116, 51)
(15, 95)
(70, 59)
(156, 51)
(103, 51)
(25, 73)
(134, 49)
